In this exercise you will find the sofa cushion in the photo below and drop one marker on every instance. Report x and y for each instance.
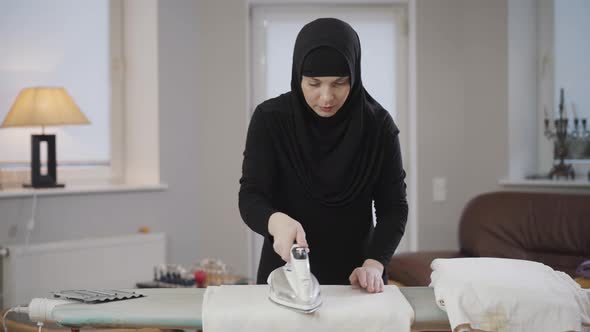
(413, 269)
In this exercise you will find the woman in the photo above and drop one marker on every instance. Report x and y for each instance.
(317, 157)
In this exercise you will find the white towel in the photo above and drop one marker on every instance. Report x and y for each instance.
(495, 294)
(344, 308)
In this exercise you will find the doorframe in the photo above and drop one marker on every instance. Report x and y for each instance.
(410, 118)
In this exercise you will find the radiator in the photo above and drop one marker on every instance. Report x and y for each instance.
(110, 262)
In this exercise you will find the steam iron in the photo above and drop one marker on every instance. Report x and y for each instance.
(292, 285)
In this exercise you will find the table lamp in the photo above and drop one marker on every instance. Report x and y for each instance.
(43, 106)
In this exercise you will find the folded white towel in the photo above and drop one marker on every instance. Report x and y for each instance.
(495, 294)
(344, 308)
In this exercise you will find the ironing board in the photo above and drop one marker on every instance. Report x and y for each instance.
(180, 308)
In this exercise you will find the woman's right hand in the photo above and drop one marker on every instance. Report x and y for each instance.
(285, 231)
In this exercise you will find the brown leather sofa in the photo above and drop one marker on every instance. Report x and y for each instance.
(550, 228)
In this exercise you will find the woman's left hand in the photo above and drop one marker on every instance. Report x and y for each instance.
(368, 276)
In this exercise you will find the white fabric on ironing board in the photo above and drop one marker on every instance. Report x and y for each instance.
(344, 308)
(496, 294)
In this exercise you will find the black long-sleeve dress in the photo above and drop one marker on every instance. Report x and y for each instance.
(340, 238)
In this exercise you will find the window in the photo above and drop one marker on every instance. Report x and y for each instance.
(564, 65)
(65, 43)
(547, 48)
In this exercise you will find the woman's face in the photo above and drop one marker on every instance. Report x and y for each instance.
(325, 95)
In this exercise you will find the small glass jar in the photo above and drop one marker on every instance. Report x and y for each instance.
(215, 270)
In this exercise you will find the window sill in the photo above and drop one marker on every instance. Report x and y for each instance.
(81, 190)
(546, 183)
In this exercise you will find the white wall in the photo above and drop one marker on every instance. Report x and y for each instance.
(546, 80)
(142, 148)
(461, 48)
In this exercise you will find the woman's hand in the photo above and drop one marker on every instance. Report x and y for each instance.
(285, 231)
(368, 276)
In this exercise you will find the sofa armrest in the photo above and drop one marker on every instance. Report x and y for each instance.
(413, 269)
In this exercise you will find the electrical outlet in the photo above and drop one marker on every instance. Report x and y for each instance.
(439, 189)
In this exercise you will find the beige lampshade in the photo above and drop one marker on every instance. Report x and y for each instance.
(44, 106)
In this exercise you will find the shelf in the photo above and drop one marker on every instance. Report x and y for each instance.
(81, 190)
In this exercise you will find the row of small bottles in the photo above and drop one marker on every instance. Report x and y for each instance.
(206, 273)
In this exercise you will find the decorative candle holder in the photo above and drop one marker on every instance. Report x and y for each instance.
(560, 136)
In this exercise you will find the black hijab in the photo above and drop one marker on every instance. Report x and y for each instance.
(338, 157)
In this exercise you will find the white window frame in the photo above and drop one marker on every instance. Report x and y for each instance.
(545, 80)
